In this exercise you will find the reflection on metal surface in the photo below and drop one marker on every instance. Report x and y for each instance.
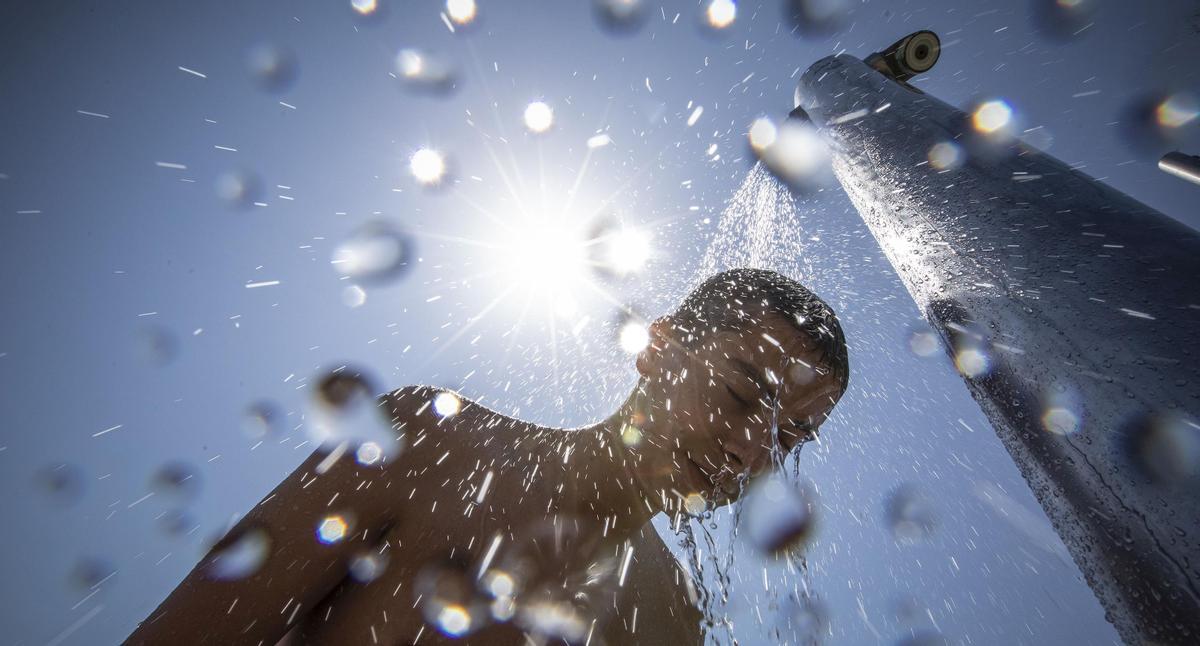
(1067, 287)
(1181, 165)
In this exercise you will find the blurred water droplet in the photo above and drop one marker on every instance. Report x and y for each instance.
(429, 167)
(425, 73)
(793, 152)
(924, 638)
(368, 453)
(274, 68)
(262, 420)
(238, 556)
(90, 572)
(553, 620)
(807, 617)
(539, 117)
(1154, 123)
(946, 155)
(368, 11)
(449, 599)
(910, 514)
(176, 479)
(345, 410)
(972, 362)
(447, 404)
(779, 516)
(720, 14)
(923, 342)
(620, 16)
(1062, 20)
(375, 253)
(354, 296)
(815, 17)
(157, 346)
(462, 12)
(239, 189)
(176, 523)
(1163, 447)
(633, 335)
(61, 484)
(333, 528)
(367, 567)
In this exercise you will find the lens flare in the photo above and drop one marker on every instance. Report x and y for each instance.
(461, 11)
(634, 337)
(628, 251)
(1177, 111)
(945, 156)
(992, 116)
(721, 13)
(538, 117)
(364, 7)
(447, 404)
(332, 529)
(428, 166)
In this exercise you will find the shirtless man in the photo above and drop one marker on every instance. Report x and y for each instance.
(490, 530)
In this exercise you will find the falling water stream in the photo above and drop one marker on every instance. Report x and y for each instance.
(759, 228)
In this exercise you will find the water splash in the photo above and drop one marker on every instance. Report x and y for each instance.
(759, 228)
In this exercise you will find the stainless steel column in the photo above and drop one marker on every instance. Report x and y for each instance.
(1085, 303)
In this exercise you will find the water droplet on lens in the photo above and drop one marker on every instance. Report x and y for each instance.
(1062, 20)
(157, 346)
(62, 484)
(176, 479)
(553, 620)
(910, 514)
(945, 156)
(367, 567)
(815, 17)
(620, 16)
(375, 253)
(90, 572)
(447, 404)
(262, 420)
(462, 12)
(1154, 123)
(429, 167)
(1165, 448)
(793, 152)
(450, 601)
(346, 410)
(239, 189)
(238, 556)
(807, 617)
(422, 72)
(924, 638)
(274, 68)
(779, 516)
(923, 342)
(176, 523)
(720, 14)
(332, 529)
(539, 117)
(354, 296)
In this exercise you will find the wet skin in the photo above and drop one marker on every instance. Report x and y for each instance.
(703, 412)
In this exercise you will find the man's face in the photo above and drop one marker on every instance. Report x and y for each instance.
(722, 404)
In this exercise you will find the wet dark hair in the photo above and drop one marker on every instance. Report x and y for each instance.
(720, 303)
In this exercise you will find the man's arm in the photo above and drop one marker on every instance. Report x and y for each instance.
(299, 568)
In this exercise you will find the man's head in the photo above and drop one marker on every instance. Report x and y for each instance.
(747, 352)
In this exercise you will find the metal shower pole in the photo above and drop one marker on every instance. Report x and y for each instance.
(1084, 302)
